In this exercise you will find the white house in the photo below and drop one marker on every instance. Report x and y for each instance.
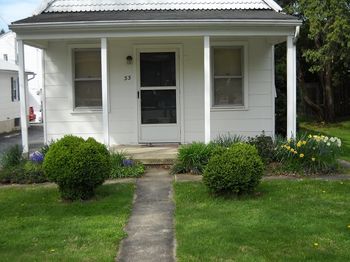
(158, 71)
(9, 99)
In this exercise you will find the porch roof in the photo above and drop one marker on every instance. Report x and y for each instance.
(152, 15)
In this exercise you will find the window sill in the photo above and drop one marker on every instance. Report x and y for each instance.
(81, 111)
(232, 108)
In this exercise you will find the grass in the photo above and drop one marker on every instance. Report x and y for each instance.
(287, 221)
(341, 130)
(37, 226)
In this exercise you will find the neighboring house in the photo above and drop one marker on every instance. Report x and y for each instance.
(33, 63)
(159, 71)
(9, 97)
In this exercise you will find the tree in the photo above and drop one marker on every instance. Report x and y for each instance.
(2, 31)
(323, 47)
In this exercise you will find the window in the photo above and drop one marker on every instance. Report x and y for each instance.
(14, 89)
(228, 78)
(87, 78)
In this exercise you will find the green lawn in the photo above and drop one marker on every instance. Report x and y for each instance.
(287, 221)
(341, 130)
(37, 226)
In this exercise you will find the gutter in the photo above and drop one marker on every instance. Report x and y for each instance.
(154, 23)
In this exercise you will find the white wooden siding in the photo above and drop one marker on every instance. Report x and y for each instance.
(59, 108)
(258, 117)
(123, 126)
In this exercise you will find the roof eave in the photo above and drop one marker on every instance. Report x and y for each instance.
(154, 23)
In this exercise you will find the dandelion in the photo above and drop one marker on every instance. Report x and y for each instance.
(302, 155)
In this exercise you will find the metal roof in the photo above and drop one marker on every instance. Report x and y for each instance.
(56, 6)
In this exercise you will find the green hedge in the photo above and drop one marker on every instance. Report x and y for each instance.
(238, 170)
(77, 166)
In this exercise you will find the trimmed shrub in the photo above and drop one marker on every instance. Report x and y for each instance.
(308, 154)
(265, 147)
(193, 158)
(238, 170)
(77, 166)
(122, 167)
(12, 157)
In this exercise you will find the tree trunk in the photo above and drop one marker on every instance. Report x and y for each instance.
(315, 107)
(329, 97)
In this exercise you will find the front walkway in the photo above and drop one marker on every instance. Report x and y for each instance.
(150, 228)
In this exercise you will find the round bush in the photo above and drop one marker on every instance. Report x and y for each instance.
(238, 170)
(77, 166)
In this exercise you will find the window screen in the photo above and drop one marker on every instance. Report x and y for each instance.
(228, 76)
(158, 69)
(87, 78)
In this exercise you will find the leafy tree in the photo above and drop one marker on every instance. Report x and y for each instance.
(2, 31)
(323, 48)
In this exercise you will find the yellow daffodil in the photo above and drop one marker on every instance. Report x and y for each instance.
(302, 155)
(304, 142)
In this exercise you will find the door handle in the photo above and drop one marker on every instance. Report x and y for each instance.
(138, 94)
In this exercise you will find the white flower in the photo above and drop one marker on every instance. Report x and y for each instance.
(333, 139)
(328, 144)
(339, 142)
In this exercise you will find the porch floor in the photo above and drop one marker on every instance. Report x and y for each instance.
(150, 155)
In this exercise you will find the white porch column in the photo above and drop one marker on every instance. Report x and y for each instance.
(23, 96)
(291, 88)
(105, 96)
(207, 84)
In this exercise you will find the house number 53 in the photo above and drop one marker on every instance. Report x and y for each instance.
(127, 78)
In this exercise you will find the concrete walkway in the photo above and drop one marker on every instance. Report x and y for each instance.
(150, 227)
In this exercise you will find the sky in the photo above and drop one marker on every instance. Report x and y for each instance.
(12, 10)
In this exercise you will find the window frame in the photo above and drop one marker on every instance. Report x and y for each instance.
(71, 68)
(15, 97)
(244, 66)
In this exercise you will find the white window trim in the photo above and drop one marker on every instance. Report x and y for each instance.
(244, 46)
(70, 68)
(15, 79)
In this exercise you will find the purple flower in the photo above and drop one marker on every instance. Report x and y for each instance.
(128, 162)
(36, 157)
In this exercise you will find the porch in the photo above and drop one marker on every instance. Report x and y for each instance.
(150, 154)
(119, 119)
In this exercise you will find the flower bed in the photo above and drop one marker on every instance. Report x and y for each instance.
(308, 154)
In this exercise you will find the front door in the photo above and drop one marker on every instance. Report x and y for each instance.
(158, 96)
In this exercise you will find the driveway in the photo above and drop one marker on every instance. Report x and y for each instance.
(36, 139)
